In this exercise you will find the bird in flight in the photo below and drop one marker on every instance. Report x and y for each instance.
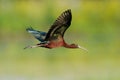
(55, 36)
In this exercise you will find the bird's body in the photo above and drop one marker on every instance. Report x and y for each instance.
(56, 43)
(55, 36)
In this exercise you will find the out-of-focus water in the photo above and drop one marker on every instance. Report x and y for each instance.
(60, 63)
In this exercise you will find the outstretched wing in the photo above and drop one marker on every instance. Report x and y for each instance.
(60, 25)
(37, 34)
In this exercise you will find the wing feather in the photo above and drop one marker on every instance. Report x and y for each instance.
(37, 34)
(60, 25)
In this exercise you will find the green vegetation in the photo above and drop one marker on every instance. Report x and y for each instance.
(95, 25)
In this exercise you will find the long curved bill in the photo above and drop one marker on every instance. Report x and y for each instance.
(83, 48)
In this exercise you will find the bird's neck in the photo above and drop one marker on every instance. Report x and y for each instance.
(70, 45)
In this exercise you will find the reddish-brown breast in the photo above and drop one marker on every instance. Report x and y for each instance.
(56, 43)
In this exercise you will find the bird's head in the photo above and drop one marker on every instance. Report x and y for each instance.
(78, 46)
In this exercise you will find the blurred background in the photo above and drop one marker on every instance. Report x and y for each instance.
(95, 26)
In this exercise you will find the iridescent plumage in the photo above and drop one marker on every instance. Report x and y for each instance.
(54, 37)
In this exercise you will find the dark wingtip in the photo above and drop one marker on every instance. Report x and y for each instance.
(68, 16)
(68, 10)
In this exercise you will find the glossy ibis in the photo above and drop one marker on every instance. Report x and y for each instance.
(54, 37)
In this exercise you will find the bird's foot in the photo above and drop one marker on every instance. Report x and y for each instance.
(31, 47)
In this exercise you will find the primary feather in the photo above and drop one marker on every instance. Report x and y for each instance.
(59, 26)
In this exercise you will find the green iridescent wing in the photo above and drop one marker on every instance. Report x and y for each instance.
(60, 25)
